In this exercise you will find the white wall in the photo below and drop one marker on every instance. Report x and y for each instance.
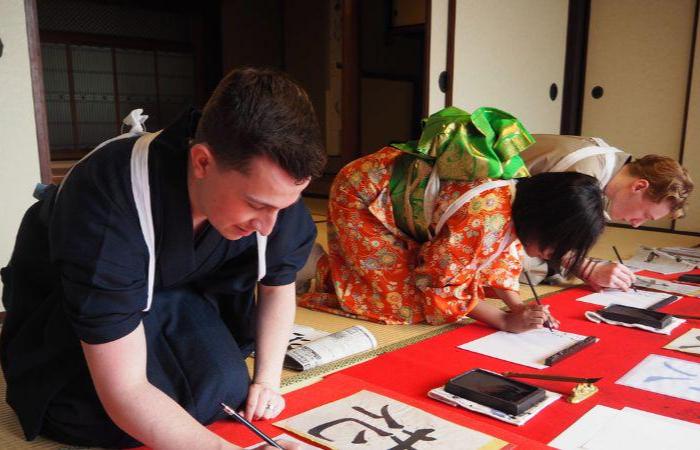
(19, 156)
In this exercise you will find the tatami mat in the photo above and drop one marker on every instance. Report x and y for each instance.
(389, 337)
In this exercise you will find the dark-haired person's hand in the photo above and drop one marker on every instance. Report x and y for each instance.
(611, 275)
(529, 317)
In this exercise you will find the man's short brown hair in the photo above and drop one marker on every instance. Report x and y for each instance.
(668, 180)
(262, 112)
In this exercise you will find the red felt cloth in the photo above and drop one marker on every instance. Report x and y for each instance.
(416, 369)
(408, 374)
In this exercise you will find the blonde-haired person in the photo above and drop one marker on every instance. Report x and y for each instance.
(649, 188)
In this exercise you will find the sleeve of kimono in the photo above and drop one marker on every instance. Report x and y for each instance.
(454, 267)
(97, 242)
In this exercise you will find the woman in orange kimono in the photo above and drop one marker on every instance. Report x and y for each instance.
(415, 236)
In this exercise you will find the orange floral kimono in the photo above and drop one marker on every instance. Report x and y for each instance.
(377, 272)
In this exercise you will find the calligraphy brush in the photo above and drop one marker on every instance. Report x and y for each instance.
(538, 376)
(547, 323)
(620, 259)
(228, 410)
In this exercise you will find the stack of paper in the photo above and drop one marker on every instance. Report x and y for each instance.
(608, 428)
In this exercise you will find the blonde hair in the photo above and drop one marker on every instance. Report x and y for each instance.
(668, 180)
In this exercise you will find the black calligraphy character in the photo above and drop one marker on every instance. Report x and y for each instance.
(691, 346)
(416, 436)
(688, 376)
(297, 340)
(359, 439)
(669, 366)
(384, 414)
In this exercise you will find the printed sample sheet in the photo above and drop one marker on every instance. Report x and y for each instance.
(656, 260)
(639, 299)
(604, 428)
(371, 421)
(284, 436)
(688, 342)
(301, 334)
(664, 375)
(683, 251)
(667, 286)
(530, 348)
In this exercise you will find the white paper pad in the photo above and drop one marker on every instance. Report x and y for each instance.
(442, 395)
(688, 342)
(667, 286)
(605, 428)
(639, 299)
(288, 438)
(371, 421)
(664, 375)
(530, 348)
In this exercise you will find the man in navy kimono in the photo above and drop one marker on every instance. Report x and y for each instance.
(130, 294)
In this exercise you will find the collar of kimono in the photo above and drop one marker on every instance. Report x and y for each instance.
(454, 145)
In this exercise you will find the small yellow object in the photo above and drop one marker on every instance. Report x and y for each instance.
(581, 392)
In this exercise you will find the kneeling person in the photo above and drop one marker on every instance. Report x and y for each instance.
(399, 255)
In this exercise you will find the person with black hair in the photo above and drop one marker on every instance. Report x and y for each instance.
(130, 292)
(418, 238)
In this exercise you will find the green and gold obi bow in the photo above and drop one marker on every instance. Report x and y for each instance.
(457, 146)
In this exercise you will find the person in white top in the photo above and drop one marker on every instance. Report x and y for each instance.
(635, 191)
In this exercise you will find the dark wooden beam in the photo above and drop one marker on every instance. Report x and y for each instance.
(37, 76)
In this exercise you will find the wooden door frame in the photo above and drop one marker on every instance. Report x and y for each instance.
(37, 81)
(350, 101)
(575, 66)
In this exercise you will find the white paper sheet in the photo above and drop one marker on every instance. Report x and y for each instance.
(587, 426)
(664, 375)
(371, 421)
(605, 428)
(688, 342)
(639, 299)
(667, 286)
(288, 438)
(530, 348)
